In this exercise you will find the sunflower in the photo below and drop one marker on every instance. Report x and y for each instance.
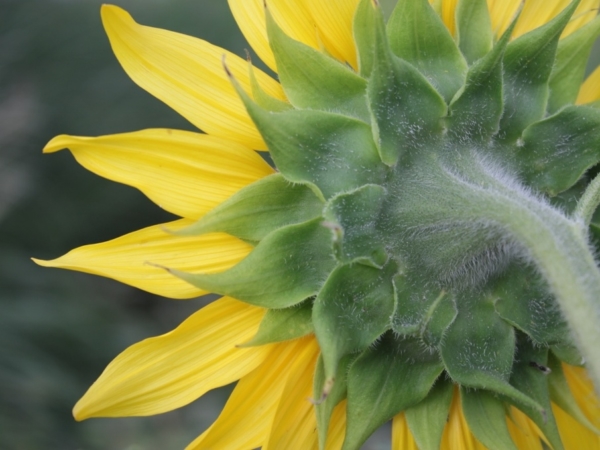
(418, 252)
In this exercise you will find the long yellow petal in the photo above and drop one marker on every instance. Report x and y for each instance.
(590, 89)
(402, 438)
(293, 16)
(573, 434)
(295, 423)
(185, 173)
(246, 420)
(166, 372)
(457, 434)
(130, 258)
(334, 19)
(187, 74)
(584, 393)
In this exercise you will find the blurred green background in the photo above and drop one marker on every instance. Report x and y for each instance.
(59, 329)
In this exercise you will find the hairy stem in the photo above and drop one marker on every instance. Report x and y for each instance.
(588, 202)
(476, 195)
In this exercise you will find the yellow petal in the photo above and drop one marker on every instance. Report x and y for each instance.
(130, 258)
(337, 427)
(536, 13)
(584, 393)
(166, 372)
(334, 20)
(402, 438)
(585, 13)
(449, 14)
(502, 13)
(185, 173)
(590, 89)
(187, 74)
(525, 434)
(246, 420)
(457, 434)
(293, 16)
(573, 434)
(295, 423)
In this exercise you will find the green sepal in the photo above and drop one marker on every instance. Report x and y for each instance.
(561, 394)
(439, 317)
(557, 151)
(353, 218)
(352, 310)
(524, 302)
(313, 80)
(406, 108)
(413, 303)
(486, 416)
(569, 68)
(533, 382)
(528, 63)
(478, 350)
(279, 325)
(331, 152)
(418, 35)
(367, 13)
(263, 99)
(286, 267)
(259, 209)
(386, 379)
(477, 108)
(478, 342)
(428, 418)
(568, 353)
(474, 29)
(324, 406)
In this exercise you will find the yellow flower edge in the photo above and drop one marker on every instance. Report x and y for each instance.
(269, 406)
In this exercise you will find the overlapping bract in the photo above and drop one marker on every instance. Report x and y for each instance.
(357, 140)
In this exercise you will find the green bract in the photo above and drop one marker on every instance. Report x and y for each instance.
(413, 215)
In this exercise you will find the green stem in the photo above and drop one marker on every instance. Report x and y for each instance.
(588, 202)
(560, 251)
(559, 248)
(472, 196)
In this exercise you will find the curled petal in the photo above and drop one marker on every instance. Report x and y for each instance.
(134, 258)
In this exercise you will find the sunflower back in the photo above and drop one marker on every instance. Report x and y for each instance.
(422, 193)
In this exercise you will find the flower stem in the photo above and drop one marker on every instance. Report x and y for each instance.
(558, 246)
(588, 202)
(486, 205)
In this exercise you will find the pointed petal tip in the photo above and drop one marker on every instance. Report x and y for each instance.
(78, 413)
(57, 143)
(43, 262)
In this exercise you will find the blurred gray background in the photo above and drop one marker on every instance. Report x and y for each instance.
(59, 329)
